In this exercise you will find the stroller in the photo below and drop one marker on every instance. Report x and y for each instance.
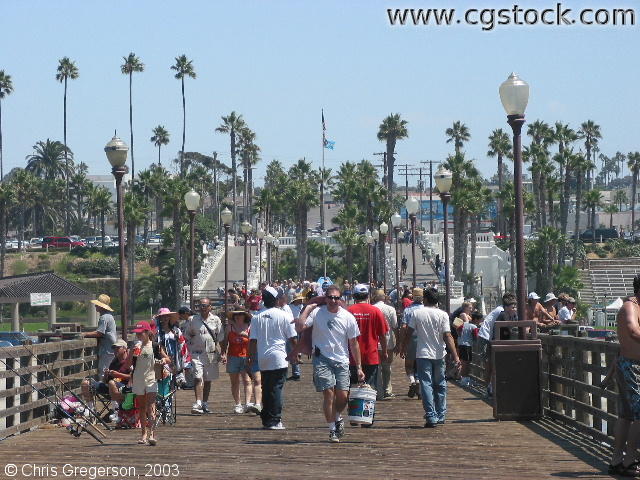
(166, 405)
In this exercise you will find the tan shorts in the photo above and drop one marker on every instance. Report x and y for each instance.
(143, 389)
(202, 368)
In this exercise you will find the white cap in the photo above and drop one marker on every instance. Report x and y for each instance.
(534, 296)
(550, 296)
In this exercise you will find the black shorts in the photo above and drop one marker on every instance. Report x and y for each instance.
(466, 353)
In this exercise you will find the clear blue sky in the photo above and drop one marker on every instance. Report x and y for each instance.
(279, 62)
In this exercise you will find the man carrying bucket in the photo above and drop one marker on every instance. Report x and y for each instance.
(434, 336)
(335, 331)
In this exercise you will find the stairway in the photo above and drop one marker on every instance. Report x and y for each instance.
(586, 292)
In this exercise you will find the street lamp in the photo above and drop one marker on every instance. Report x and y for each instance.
(384, 228)
(116, 151)
(369, 239)
(269, 239)
(396, 219)
(226, 216)
(276, 245)
(245, 228)
(444, 179)
(514, 95)
(260, 235)
(192, 201)
(412, 205)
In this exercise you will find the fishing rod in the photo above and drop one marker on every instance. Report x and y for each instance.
(66, 387)
(79, 427)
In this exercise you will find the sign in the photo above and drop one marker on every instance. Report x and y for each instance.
(40, 299)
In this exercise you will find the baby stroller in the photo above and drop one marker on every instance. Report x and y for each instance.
(166, 405)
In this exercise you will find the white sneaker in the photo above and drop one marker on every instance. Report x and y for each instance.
(254, 408)
(114, 417)
(197, 408)
(248, 408)
(238, 409)
(278, 426)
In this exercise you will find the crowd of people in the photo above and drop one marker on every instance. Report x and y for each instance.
(352, 335)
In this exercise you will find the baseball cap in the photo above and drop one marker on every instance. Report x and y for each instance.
(534, 296)
(271, 291)
(119, 343)
(361, 288)
(142, 326)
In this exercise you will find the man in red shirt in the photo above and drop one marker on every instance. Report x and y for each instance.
(373, 328)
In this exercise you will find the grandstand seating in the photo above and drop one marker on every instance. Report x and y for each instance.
(612, 278)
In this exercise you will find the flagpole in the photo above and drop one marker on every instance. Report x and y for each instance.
(322, 176)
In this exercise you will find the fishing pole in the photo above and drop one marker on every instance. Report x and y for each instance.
(75, 433)
(66, 387)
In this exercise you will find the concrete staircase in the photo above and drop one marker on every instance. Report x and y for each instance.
(586, 293)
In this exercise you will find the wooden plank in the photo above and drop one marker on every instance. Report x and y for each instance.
(22, 427)
(601, 437)
(43, 384)
(596, 400)
(24, 407)
(585, 387)
(25, 371)
(43, 348)
(596, 412)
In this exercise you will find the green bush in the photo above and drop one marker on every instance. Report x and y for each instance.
(143, 253)
(101, 266)
(20, 267)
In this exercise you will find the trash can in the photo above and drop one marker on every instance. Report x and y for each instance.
(517, 374)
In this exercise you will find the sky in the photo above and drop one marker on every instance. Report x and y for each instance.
(278, 63)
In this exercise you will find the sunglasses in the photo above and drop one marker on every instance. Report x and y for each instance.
(333, 297)
(205, 306)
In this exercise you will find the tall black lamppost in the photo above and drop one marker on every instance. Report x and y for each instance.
(276, 245)
(375, 272)
(384, 228)
(192, 201)
(226, 216)
(116, 151)
(514, 94)
(324, 250)
(396, 219)
(260, 235)
(412, 205)
(245, 228)
(444, 179)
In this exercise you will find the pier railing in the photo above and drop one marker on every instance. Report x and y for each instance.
(572, 371)
(21, 407)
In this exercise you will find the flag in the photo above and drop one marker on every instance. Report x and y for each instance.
(323, 126)
(328, 144)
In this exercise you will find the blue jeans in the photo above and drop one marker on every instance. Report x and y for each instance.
(433, 387)
(295, 367)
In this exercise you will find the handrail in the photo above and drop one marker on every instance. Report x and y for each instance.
(21, 407)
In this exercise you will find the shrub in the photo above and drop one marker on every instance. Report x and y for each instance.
(101, 266)
(143, 253)
(20, 267)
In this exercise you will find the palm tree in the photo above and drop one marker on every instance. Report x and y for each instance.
(183, 68)
(50, 160)
(593, 200)
(500, 146)
(26, 190)
(6, 88)
(458, 134)
(159, 178)
(6, 202)
(590, 132)
(67, 69)
(145, 189)
(131, 64)
(619, 198)
(611, 208)
(579, 165)
(232, 124)
(302, 192)
(101, 203)
(249, 153)
(392, 129)
(135, 212)
(633, 162)
(160, 137)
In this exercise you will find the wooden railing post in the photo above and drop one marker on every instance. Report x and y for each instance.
(596, 400)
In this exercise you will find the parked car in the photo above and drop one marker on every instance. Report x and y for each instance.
(601, 234)
(61, 242)
(35, 243)
(155, 241)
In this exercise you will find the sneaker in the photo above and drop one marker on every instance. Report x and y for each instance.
(277, 426)
(333, 437)
(197, 409)
(205, 407)
(430, 425)
(295, 378)
(340, 428)
(254, 408)
(114, 418)
(388, 396)
(238, 409)
(441, 422)
(413, 389)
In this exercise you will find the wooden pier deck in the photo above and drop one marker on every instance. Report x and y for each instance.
(472, 445)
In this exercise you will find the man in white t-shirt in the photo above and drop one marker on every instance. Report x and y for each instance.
(335, 331)
(434, 336)
(567, 313)
(270, 332)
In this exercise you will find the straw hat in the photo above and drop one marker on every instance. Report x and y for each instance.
(300, 296)
(238, 311)
(417, 292)
(103, 302)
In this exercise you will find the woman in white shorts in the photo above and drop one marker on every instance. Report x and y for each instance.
(145, 387)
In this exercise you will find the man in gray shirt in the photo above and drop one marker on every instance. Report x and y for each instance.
(105, 333)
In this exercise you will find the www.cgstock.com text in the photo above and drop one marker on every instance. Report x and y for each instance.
(490, 18)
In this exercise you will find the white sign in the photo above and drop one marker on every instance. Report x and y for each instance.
(40, 299)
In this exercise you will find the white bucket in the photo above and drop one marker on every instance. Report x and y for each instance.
(362, 404)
